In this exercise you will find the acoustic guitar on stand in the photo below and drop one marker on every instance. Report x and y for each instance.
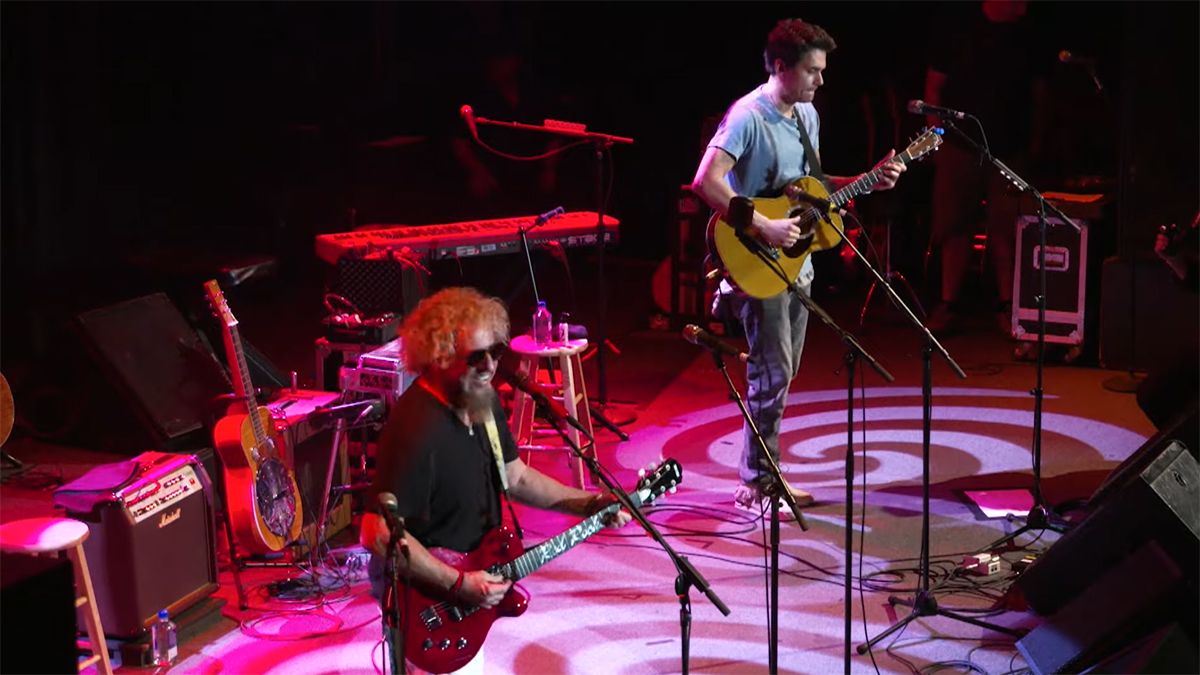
(261, 495)
(443, 636)
(749, 263)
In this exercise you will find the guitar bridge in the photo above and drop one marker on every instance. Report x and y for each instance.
(431, 619)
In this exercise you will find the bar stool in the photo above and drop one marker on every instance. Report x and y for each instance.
(55, 535)
(573, 395)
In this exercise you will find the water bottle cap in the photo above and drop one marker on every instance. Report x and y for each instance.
(162, 614)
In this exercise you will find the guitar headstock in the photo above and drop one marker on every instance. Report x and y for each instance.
(658, 480)
(216, 298)
(929, 140)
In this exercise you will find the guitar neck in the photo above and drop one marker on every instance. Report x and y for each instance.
(242, 384)
(863, 184)
(530, 561)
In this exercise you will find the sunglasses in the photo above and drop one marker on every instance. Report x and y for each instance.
(475, 358)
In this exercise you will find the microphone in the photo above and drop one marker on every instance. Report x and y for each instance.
(698, 336)
(1066, 56)
(740, 213)
(389, 510)
(919, 107)
(541, 396)
(468, 115)
(545, 217)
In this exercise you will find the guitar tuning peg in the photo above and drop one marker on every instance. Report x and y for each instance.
(673, 489)
(641, 473)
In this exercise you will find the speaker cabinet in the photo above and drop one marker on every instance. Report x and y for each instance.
(1159, 503)
(151, 544)
(161, 370)
(1132, 599)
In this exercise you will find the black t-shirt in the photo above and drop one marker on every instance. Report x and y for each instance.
(442, 473)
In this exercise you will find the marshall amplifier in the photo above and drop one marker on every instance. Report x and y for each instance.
(151, 544)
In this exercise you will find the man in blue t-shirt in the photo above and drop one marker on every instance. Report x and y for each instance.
(758, 152)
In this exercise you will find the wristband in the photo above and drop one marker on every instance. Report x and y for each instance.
(457, 585)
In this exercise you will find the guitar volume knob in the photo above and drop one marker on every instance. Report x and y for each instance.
(445, 644)
(462, 643)
(427, 644)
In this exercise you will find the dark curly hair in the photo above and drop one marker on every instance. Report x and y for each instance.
(791, 39)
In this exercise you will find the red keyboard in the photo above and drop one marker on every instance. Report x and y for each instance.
(464, 240)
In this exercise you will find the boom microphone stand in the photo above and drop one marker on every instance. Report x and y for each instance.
(1039, 516)
(688, 576)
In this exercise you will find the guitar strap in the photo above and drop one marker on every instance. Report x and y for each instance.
(493, 434)
(814, 162)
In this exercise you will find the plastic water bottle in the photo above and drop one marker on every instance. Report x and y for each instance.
(164, 643)
(541, 325)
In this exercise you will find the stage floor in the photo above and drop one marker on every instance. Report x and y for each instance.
(609, 605)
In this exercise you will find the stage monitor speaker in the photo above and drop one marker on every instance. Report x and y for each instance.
(37, 617)
(161, 370)
(1134, 598)
(151, 542)
(1159, 503)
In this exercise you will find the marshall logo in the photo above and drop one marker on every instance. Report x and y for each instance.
(168, 518)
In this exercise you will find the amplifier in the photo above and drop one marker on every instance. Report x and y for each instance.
(151, 542)
(380, 372)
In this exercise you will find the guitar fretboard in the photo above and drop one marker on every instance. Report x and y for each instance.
(528, 562)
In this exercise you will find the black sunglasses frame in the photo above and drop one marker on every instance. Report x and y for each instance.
(496, 351)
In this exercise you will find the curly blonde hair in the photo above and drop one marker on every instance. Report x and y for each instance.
(433, 333)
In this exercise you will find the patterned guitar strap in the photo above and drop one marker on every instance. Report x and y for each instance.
(493, 435)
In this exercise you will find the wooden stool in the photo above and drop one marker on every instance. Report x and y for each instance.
(55, 535)
(574, 395)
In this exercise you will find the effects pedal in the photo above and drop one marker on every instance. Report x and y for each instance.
(981, 564)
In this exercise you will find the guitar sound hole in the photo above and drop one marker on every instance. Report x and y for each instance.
(273, 493)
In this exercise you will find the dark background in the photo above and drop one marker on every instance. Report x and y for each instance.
(146, 144)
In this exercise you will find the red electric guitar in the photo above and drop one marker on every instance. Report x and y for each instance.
(443, 636)
(261, 495)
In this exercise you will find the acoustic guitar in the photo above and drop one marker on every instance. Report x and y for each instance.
(262, 498)
(762, 270)
(443, 636)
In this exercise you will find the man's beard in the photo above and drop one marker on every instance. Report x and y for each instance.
(478, 401)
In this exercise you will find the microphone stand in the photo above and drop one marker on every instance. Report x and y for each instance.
(601, 144)
(854, 351)
(393, 621)
(1040, 517)
(689, 577)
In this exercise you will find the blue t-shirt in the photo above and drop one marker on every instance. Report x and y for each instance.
(767, 151)
(765, 145)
